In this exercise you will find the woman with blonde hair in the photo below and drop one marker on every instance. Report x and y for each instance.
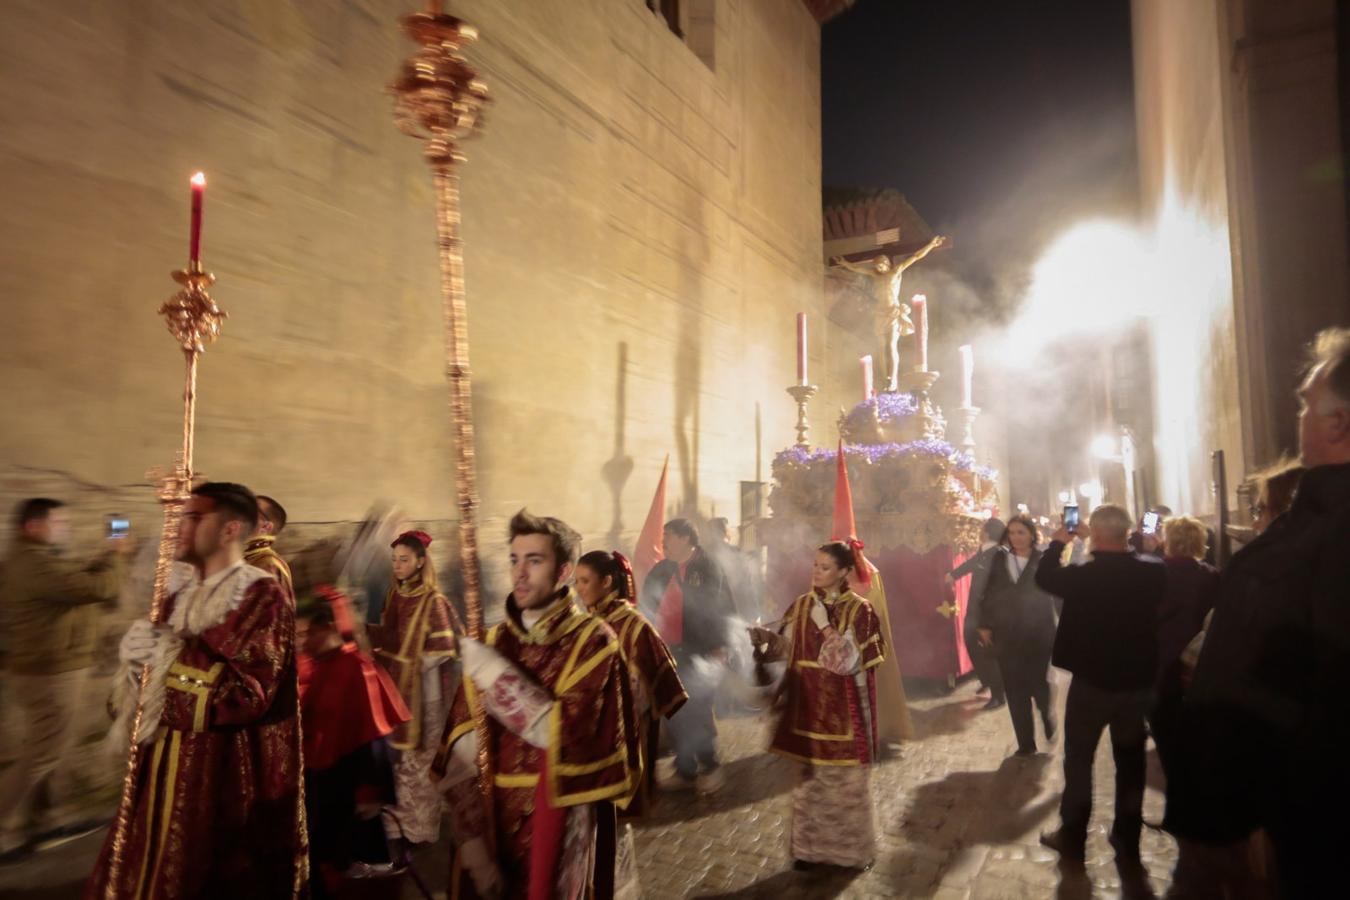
(1192, 588)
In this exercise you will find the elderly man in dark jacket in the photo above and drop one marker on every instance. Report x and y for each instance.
(1267, 713)
(1108, 639)
(687, 598)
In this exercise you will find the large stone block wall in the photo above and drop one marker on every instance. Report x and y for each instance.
(640, 230)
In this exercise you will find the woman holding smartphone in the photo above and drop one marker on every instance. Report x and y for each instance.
(1018, 622)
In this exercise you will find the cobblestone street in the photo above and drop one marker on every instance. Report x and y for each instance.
(957, 817)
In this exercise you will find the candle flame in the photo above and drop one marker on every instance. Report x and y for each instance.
(199, 179)
(920, 298)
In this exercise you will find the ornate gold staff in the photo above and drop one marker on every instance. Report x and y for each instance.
(194, 321)
(439, 100)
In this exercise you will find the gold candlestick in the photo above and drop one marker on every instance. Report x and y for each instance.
(194, 321)
(966, 416)
(440, 101)
(929, 417)
(802, 393)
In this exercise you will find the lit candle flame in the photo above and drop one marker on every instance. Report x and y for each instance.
(199, 179)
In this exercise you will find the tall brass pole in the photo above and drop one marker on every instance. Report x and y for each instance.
(194, 321)
(439, 100)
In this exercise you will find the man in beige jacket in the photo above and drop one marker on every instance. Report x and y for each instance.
(49, 620)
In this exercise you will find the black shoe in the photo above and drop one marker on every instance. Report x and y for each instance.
(995, 703)
(1067, 850)
(1125, 851)
(1025, 753)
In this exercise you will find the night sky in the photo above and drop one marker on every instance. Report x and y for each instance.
(1002, 123)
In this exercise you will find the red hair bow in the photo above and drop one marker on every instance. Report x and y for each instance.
(420, 536)
(627, 569)
(861, 567)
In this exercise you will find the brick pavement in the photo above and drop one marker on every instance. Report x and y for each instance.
(957, 818)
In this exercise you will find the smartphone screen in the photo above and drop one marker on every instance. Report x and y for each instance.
(1150, 523)
(1071, 516)
(118, 526)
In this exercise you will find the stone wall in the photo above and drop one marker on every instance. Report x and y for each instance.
(640, 230)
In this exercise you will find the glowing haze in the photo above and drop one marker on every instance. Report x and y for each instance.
(1102, 275)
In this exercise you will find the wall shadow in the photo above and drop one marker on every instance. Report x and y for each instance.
(617, 469)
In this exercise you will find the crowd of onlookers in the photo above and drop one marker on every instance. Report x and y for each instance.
(1240, 676)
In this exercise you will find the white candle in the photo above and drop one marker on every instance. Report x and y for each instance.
(801, 348)
(967, 374)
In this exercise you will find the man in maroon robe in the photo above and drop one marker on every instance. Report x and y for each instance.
(217, 809)
(563, 735)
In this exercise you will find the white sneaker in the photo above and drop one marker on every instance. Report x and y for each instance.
(710, 782)
(675, 782)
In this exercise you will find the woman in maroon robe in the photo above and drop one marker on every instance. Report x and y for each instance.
(415, 642)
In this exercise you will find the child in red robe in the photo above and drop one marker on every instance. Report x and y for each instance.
(348, 706)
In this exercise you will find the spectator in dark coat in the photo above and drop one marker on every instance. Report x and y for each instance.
(687, 598)
(1108, 639)
(977, 567)
(1192, 586)
(1266, 716)
(1017, 621)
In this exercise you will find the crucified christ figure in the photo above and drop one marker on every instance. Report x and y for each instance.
(892, 315)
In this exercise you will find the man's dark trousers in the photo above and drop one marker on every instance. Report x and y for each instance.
(1088, 711)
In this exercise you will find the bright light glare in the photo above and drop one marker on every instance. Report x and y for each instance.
(1092, 279)
(1103, 446)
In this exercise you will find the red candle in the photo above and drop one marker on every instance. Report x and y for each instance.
(920, 306)
(195, 243)
(866, 363)
(801, 348)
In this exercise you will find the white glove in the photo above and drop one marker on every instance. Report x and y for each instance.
(820, 616)
(487, 879)
(139, 643)
(481, 663)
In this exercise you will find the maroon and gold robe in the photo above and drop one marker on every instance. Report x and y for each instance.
(829, 725)
(592, 755)
(829, 719)
(218, 807)
(417, 622)
(657, 690)
(260, 554)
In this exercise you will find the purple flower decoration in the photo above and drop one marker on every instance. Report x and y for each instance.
(889, 407)
(876, 453)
